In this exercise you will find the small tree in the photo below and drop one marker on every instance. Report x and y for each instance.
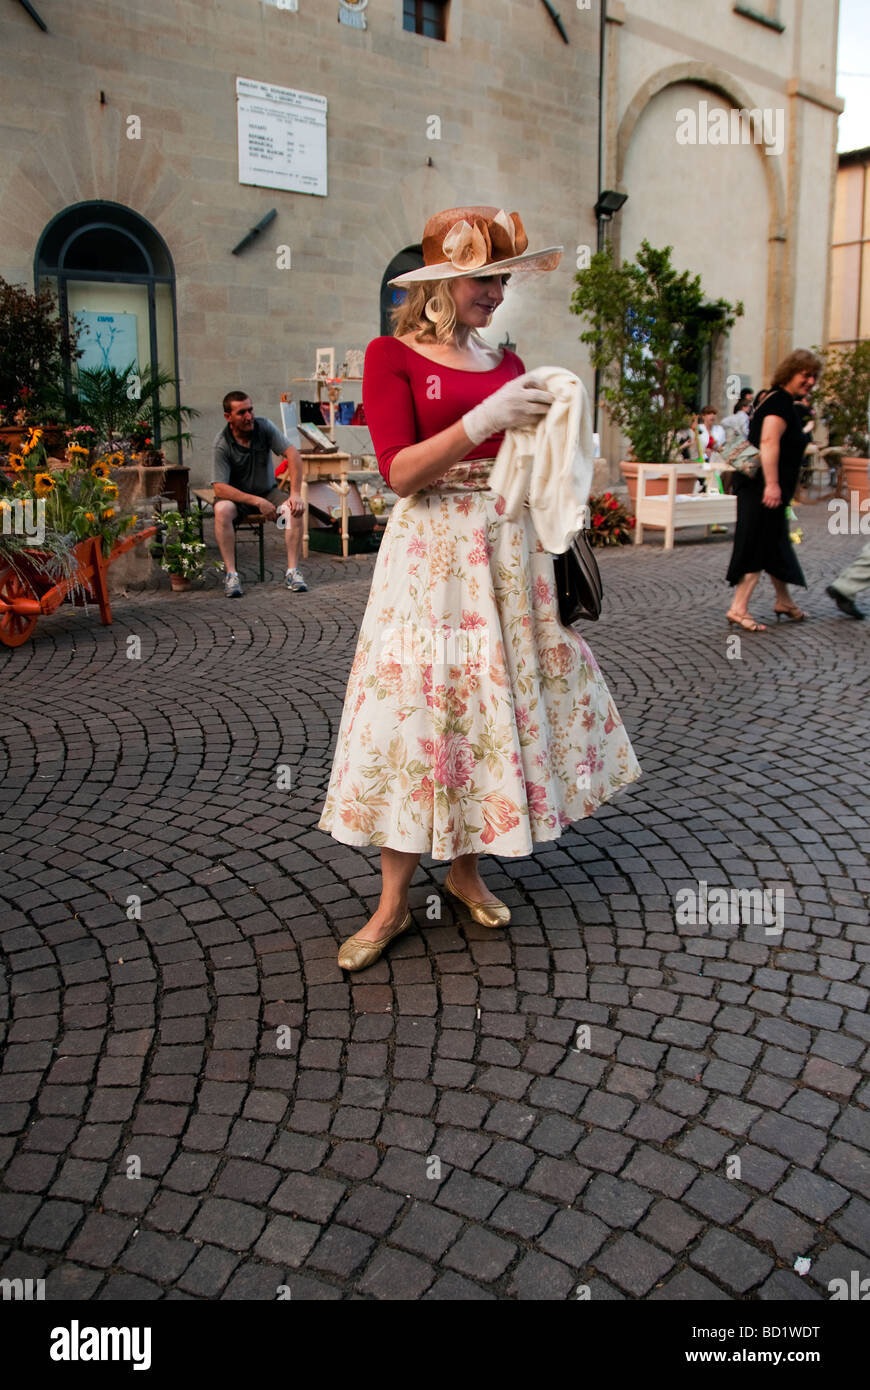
(33, 347)
(116, 403)
(648, 326)
(845, 392)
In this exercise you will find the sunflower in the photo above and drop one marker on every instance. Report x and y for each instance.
(16, 463)
(31, 442)
(108, 513)
(43, 484)
(100, 469)
(77, 449)
(110, 490)
(90, 517)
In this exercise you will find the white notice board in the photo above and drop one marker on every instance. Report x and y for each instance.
(282, 137)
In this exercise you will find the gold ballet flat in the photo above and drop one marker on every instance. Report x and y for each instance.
(494, 914)
(357, 955)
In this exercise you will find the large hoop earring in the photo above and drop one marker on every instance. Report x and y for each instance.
(434, 309)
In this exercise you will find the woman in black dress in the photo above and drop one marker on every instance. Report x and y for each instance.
(761, 540)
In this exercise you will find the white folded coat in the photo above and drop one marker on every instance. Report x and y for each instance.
(550, 464)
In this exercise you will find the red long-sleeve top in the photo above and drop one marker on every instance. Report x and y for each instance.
(408, 397)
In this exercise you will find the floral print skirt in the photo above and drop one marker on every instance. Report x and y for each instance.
(474, 722)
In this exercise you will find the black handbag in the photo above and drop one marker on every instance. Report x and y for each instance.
(578, 582)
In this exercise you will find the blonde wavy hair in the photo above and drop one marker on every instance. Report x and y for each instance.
(410, 316)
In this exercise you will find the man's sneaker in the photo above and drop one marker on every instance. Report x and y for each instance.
(293, 580)
(844, 603)
(232, 585)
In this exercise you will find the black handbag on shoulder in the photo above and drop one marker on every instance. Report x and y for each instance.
(578, 582)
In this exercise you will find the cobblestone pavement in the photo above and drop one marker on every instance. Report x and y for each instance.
(438, 1127)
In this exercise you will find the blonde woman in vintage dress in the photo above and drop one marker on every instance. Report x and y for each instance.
(474, 722)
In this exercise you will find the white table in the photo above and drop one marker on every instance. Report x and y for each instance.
(671, 510)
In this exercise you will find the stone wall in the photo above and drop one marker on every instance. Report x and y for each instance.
(519, 128)
(518, 111)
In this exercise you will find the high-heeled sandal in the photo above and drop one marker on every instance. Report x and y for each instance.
(793, 613)
(743, 620)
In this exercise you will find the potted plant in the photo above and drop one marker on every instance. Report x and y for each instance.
(610, 522)
(183, 556)
(648, 325)
(33, 350)
(124, 407)
(80, 444)
(125, 411)
(845, 392)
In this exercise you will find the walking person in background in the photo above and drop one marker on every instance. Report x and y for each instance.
(761, 538)
(738, 423)
(457, 758)
(711, 435)
(849, 584)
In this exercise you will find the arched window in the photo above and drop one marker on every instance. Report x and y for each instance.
(112, 272)
(391, 295)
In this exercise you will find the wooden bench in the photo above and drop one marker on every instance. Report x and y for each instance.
(254, 522)
(672, 509)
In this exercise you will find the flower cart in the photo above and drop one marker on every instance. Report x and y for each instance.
(61, 528)
(27, 591)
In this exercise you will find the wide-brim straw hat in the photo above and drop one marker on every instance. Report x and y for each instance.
(477, 241)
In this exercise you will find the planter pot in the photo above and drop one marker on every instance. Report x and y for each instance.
(135, 483)
(655, 487)
(856, 478)
(55, 440)
(179, 582)
(11, 438)
(53, 437)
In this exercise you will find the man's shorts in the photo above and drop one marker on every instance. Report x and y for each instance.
(245, 509)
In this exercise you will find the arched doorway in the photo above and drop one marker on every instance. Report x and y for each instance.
(391, 295)
(113, 274)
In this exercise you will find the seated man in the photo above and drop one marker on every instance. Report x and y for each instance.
(244, 482)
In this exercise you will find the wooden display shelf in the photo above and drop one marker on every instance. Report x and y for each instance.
(333, 386)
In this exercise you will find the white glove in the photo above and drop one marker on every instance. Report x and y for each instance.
(521, 401)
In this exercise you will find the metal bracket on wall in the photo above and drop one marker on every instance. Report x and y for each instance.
(557, 19)
(255, 231)
(37, 18)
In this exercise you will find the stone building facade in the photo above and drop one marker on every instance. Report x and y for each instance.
(850, 269)
(751, 218)
(119, 172)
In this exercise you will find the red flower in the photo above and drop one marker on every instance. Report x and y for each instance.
(631, 521)
(607, 496)
(597, 519)
(612, 504)
(500, 815)
(454, 760)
